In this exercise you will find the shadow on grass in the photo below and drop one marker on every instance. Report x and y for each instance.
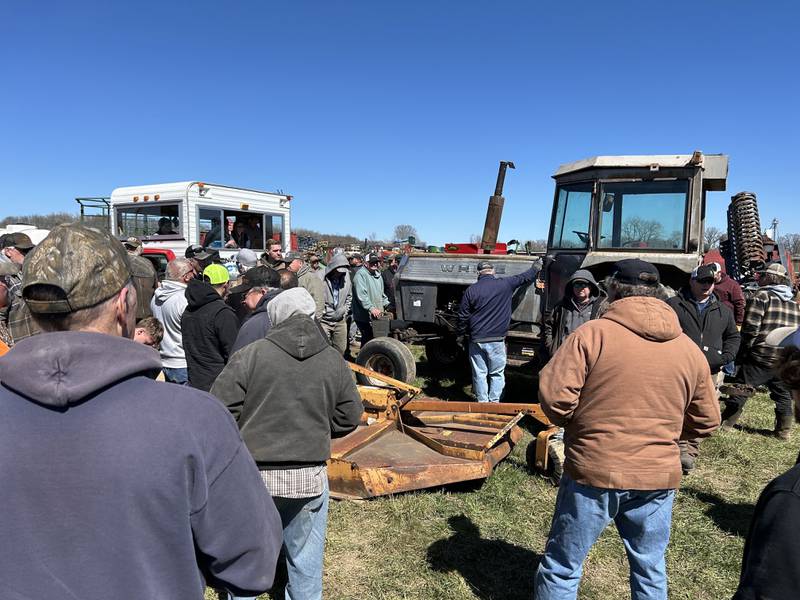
(444, 383)
(449, 383)
(755, 430)
(494, 569)
(733, 518)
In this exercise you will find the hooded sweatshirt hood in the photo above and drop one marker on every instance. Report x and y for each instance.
(63, 368)
(650, 318)
(784, 292)
(167, 290)
(199, 293)
(298, 336)
(338, 260)
(289, 303)
(584, 275)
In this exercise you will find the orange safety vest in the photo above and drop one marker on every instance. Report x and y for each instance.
(3, 348)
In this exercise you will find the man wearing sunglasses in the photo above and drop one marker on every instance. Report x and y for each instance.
(711, 325)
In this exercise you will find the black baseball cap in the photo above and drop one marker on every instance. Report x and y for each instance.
(704, 272)
(197, 251)
(484, 265)
(17, 240)
(260, 276)
(635, 271)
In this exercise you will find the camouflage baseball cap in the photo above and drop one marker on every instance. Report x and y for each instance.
(88, 265)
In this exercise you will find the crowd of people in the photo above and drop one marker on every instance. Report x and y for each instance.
(233, 500)
(130, 488)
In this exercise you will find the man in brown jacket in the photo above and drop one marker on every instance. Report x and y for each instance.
(626, 388)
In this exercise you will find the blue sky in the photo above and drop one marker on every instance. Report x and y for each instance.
(374, 113)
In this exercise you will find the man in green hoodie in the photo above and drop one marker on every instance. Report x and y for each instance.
(369, 298)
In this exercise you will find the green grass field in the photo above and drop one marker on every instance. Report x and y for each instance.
(484, 541)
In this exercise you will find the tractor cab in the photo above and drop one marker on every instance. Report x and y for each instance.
(608, 208)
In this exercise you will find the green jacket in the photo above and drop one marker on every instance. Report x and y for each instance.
(367, 293)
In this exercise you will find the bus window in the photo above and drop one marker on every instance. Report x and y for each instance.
(149, 221)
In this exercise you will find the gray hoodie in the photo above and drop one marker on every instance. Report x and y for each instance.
(167, 305)
(335, 311)
(118, 486)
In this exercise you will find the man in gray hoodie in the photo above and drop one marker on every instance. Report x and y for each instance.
(115, 485)
(338, 296)
(167, 305)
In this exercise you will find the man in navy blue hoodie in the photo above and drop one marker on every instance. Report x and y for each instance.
(114, 485)
(484, 316)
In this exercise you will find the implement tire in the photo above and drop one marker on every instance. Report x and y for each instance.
(555, 460)
(387, 356)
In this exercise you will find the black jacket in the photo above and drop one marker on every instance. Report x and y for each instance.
(714, 333)
(118, 486)
(771, 553)
(553, 323)
(290, 393)
(257, 325)
(388, 287)
(208, 328)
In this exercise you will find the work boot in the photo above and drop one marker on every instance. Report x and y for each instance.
(731, 414)
(783, 426)
(687, 463)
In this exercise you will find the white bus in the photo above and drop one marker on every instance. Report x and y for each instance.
(176, 215)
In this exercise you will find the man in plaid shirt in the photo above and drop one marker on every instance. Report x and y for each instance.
(772, 306)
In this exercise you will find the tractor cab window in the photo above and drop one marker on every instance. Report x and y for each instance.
(643, 215)
(571, 219)
(149, 221)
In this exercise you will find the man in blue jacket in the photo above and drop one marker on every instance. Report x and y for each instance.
(115, 485)
(484, 316)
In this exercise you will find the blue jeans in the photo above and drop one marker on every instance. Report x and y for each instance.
(179, 376)
(643, 520)
(488, 359)
(305, 521)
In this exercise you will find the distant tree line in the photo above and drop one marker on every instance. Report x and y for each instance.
(41, 221)
(711, 235)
